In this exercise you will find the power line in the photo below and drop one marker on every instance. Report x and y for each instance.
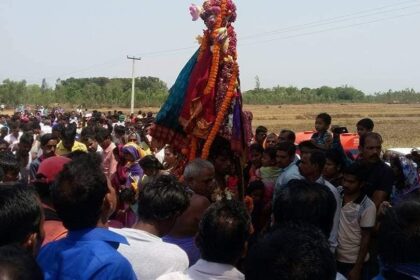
(290, 29)
(330, 29)
(310, 25)
(322, 22)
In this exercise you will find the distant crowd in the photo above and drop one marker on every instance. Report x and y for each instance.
(91, 195)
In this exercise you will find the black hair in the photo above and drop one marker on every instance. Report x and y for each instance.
(119, 129)
(162, 199)
(291, 136)
(223, 232)
(58, 127)
(47, 137)
(18, 264)
(9, 162)
(27, 138)
(293, 200)
(399, 234)
(262, 129)
(288, 147)
(271, 152)
(318, 158)
(150, 162)
(87, 132)
(220, 147)
(79, 192)
(255, 185)
(127, 195)
(69, 133)
(326, 118)
(294, 251)
(335, 157)
(35, 125)
(102, 134)
(307, 145)
(374, 135)
(20, 213)
(357, 170)
(366, 123)
(257, 148)
(14, 125)
(75, 154)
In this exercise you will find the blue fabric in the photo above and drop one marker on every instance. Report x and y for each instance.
(171, 109)
(407, 269)
(187, 244)
(86, 254)
(320, 138)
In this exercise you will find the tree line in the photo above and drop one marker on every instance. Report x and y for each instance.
(151, 91)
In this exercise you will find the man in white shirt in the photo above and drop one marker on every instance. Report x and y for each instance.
(310, 169)
(14, 136)
(159, 204)
(222, 240)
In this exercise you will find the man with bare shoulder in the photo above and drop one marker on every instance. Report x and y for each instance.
(199, 178)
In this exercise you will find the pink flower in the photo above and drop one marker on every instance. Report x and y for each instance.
(195, 11)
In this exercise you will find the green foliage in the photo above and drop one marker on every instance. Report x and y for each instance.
(88, 92)
(344, 94)
(151, 91)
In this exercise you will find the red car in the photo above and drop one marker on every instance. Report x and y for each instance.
(349, 141)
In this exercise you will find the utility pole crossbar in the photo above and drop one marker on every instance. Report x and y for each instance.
(133, 82)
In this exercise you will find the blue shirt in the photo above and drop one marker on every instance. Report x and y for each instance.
(86, 254)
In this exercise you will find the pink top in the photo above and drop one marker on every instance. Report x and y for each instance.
(109, 162)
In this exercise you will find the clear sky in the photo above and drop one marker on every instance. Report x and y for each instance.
(373, 45)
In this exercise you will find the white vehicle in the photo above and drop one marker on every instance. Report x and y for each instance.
(402, 151)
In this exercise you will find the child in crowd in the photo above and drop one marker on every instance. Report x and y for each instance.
(152, 169)
(332, 168)
(322, 139)
(268, 173)
(126, 213)
(260, 135)
(271, 140)
(357, 219)
(132, 154)
(255, 190)
(255, 156)
(364, 126)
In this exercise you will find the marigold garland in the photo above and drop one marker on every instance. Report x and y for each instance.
(216, 49)
(204, 46)
(193, 148)
(221, 114)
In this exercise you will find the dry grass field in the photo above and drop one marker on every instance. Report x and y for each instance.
(399, 124)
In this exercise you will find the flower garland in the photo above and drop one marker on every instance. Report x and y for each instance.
(221, 114)
(193, 149)
(216, 48)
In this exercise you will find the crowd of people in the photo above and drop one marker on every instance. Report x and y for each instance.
(91, 195)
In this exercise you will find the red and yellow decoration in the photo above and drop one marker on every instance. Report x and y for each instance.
(205, 101)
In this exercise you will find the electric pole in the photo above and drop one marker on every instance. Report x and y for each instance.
(133, 82)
